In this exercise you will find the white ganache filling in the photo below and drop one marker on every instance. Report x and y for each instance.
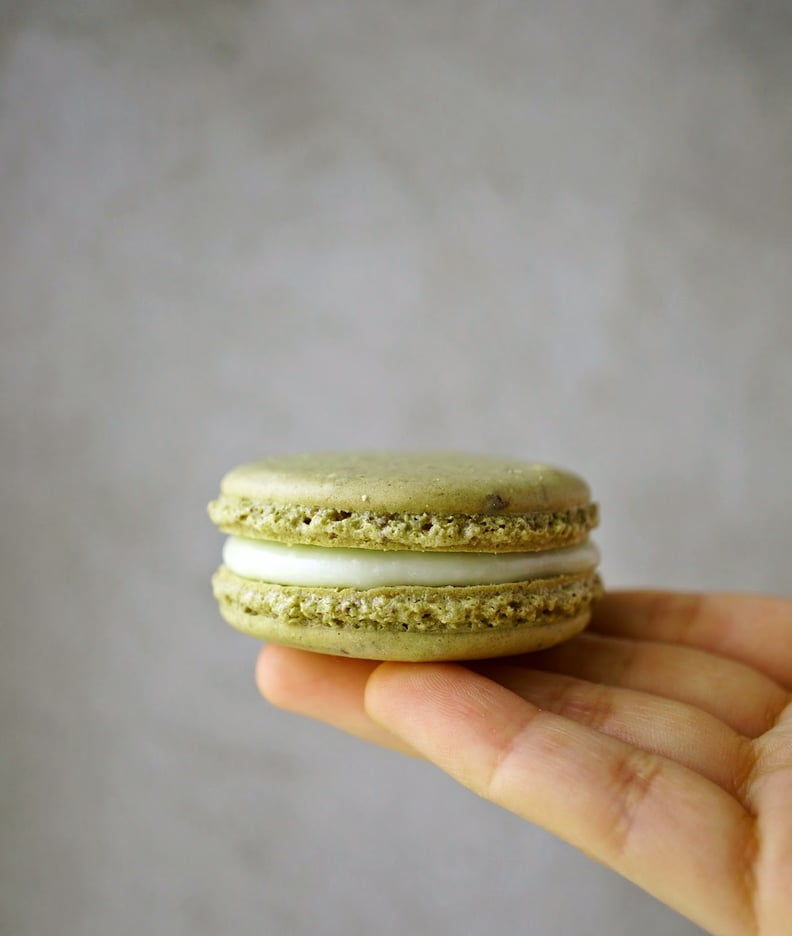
(280, 564)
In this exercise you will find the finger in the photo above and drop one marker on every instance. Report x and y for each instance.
(642, 815)
(746, 700)
(751, 628)
(679, 732)
(327, 688)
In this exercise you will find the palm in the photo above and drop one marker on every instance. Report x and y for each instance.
(660, 742)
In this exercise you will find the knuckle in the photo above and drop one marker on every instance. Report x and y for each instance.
(633, 780)
(589, 705)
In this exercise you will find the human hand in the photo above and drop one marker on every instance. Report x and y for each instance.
(659, 742)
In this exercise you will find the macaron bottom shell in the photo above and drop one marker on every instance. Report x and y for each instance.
(416, 624)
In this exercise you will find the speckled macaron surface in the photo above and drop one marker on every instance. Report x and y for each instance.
(380, 537)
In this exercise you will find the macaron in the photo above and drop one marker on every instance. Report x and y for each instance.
(406, 556)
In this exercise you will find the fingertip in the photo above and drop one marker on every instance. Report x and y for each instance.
(261, 671)
(310, 683)
(281, 674)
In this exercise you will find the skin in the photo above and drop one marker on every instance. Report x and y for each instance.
(659, 742)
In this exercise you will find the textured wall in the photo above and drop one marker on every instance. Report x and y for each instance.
(231, 228)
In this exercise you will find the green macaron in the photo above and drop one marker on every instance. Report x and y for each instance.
(406, 556)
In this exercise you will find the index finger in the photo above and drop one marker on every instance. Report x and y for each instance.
(663, 826)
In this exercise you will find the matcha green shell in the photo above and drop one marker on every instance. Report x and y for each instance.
(377, 500)
(411, 623)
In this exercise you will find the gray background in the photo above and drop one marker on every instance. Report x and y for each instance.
(234, 228)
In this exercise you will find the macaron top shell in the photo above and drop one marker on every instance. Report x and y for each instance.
(403, 482)
(398, 500)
